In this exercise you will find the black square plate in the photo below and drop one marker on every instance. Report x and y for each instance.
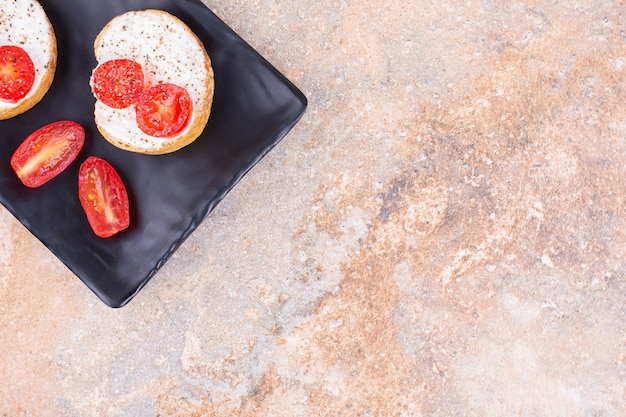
(253, 109)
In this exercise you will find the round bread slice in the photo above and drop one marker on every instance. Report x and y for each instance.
(24, 23)
(169, 52)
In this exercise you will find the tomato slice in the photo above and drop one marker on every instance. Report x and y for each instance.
(163, 110)
(17, 73)
(118, 83)
(47, 151)
(103, 196)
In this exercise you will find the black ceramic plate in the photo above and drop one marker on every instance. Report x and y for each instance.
(253, 108)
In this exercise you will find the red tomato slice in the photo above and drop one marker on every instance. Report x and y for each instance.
(163, 110)
(103, 196)
(17, 73)
(47, 151)
(118, 83)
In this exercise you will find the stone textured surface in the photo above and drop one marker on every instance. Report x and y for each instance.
(442, 234)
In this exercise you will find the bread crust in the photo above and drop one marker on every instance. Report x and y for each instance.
(44, 85)
(200, 112)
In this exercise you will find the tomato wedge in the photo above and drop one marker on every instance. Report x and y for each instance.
(17, 73)
(118, 82)
(103, 196)
(47, 151)
(163, 110)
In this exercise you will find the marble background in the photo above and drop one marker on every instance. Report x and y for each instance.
(442, 234)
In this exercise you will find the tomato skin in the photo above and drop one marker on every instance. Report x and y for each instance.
(163, 110)
(118, 82)
(17, 73)
(103, 196)
(47, 151)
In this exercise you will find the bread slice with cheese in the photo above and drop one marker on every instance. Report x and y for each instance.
(24, 23)
(169, 52)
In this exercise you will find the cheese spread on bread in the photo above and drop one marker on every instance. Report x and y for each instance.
(169, 52)
(24, 23)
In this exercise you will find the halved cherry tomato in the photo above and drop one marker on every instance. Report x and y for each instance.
(118, 83)
(17, 73)
(103, 196)
(163, 110)
(47, 151)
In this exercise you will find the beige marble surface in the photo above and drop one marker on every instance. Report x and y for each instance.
(443, 234)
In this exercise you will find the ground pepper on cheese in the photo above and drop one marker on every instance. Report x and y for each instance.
(168, 53)
(24, 23)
